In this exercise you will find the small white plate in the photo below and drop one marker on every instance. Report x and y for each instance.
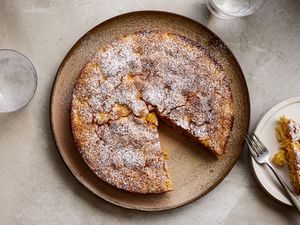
(265, 130)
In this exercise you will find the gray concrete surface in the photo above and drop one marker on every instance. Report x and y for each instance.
(37, 188)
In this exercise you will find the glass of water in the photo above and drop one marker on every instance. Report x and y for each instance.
(18, 80)
(227, 9)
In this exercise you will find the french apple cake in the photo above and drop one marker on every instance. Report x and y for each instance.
(130, 82)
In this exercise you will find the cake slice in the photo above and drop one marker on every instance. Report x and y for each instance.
(288, 134)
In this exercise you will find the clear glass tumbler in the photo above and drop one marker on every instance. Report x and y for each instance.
(228, 9)
(18, 80)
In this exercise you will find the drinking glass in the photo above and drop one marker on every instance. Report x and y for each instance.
(227, 9)
(18, 80)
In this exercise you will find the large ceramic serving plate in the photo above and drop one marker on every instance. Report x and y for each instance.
(193, 170)
(265, 130)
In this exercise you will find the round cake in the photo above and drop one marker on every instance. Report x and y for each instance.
(130, 82)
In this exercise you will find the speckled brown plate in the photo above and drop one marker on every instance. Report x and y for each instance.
(193, 170)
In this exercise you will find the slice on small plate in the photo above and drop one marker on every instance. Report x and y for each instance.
(265, 130)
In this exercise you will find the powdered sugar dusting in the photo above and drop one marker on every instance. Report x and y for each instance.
(294, 130)
(120, 58)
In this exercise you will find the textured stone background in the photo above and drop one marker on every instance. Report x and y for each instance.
(37, 188)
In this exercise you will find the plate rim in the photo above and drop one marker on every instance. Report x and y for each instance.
(78, 178)
(258, 128)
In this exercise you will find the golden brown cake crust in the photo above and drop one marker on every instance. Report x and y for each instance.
(145, 72)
